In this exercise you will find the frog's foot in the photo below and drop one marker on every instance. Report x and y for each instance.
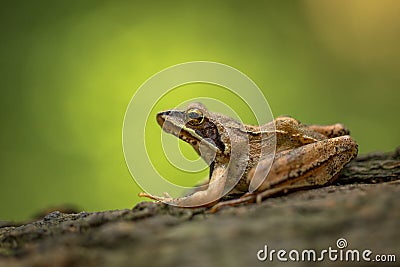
(246, 198)
(167, 195)
(257, 197)
(279, 191)
(162, 199)
(195, 200)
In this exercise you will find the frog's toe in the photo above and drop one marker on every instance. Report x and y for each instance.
(246, 198)
(143, 194)
(167, 195)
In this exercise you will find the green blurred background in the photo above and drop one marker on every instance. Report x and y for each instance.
(70, 68)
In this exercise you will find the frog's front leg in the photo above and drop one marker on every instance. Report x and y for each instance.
(203, 198)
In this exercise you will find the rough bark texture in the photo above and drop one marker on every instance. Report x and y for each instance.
(363, 206)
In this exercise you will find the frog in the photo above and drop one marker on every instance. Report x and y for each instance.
(250, 163)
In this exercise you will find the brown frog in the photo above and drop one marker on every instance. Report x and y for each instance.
(256, 161)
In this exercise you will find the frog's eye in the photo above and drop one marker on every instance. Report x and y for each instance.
(195, 116)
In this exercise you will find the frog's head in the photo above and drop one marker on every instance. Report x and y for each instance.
(199, 127)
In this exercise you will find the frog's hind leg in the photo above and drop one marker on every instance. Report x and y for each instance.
(308, 166)
(312, 165)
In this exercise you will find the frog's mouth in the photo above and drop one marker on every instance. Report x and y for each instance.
(175, 122)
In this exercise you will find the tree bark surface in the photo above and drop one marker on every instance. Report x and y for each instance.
(362, 207)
